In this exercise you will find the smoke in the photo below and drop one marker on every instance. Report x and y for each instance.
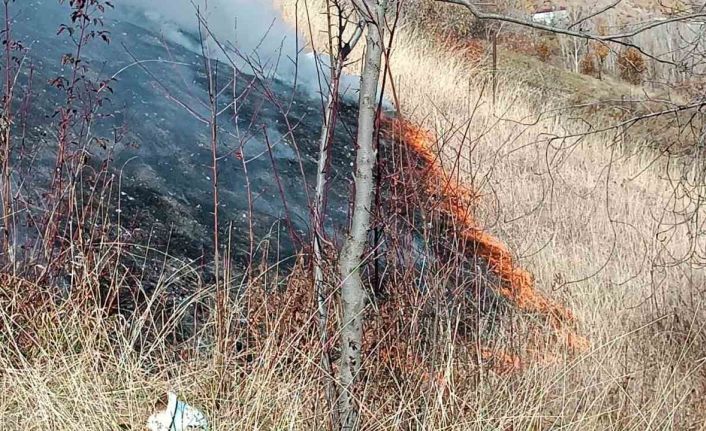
(254, 27)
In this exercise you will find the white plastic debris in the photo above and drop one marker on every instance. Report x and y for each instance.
(177, 416)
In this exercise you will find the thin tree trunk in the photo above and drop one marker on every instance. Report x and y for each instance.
(353, 295)
(221, 291)
(325, 142)
(338, 59)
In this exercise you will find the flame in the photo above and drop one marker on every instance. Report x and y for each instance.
(456, 200)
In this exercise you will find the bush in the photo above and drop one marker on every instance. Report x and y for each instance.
(602, 51)
(543, 51)
(587, 66)
(631, 66)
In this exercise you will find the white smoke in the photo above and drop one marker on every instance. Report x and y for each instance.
(254, 27)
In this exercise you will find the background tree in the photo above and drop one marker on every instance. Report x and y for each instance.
(631, 66)
(588, 64)
(601, 51)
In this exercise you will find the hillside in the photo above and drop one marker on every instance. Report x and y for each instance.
(536, 261)
(585, 214)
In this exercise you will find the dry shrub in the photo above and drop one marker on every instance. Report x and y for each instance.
(27, 304)
(543, 50)
(632, 66)
(588, 65)
(601, 50)
(286, 314)
(524, 43)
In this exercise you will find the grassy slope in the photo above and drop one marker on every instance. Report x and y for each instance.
(585, 216)
(574, 87)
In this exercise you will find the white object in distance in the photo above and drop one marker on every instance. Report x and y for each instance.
(177, 416)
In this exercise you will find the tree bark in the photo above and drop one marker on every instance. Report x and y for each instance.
(353, 296)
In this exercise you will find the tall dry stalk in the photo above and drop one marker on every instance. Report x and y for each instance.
(221, 297)
(6, 139)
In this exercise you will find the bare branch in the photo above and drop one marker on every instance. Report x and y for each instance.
(353, 41)
(595, 14)
(619, 38)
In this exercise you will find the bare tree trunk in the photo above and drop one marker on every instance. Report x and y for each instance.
(353, 295)
(338, 58)
(325, 142)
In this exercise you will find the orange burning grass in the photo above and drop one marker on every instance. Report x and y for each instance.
(457, 201)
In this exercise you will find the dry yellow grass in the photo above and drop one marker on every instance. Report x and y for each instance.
(590, 218)
(596, 221)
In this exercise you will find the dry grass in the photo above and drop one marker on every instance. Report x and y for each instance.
(594, 220)
(93, 385)
(598, 224)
